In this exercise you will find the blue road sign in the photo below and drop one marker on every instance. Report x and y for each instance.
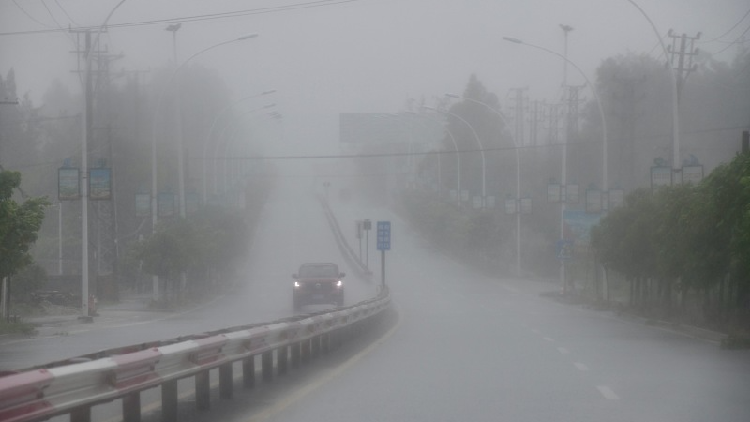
(384, 235)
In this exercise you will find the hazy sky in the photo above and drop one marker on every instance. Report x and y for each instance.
(360, 55)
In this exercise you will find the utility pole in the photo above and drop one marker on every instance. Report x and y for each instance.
(519, 101)
(624, 102)
(84, 57)
(563, 179)
(98, 79)
(553, 115)
(683, 56)
(537, 116)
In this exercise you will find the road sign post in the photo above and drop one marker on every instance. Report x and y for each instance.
(367, 227)
(384, 244)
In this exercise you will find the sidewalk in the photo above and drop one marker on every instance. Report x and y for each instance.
(61, 319)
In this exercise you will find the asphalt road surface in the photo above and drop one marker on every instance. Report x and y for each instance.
(472, 348)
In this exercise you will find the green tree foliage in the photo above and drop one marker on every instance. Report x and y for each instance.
(696, 236)
(213, 239)
(728, 188)
(19, 224)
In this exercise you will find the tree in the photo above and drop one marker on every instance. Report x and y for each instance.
(19, 224)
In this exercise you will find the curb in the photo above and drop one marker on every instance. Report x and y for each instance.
(675, 327)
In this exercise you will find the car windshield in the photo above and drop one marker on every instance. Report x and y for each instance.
(318, 270)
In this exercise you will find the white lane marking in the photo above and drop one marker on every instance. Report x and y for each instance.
(549, 339)
(581, 366)
(563, 350)
(607, 392)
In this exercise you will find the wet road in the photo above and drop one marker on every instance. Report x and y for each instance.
(468, 347)
(293, 230)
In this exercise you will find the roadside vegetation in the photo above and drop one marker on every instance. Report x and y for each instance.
(684, 250)
(37, 140)
(679, 254)
(20, 221)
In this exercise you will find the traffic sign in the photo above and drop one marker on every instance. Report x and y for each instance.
(384, 235)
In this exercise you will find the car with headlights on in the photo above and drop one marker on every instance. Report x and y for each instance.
(318, 283)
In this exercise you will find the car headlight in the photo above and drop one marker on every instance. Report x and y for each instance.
(339, 283)
(296, 284)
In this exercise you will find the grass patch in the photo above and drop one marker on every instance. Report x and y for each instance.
(17, 328)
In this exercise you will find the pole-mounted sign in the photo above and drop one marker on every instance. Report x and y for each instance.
(384, 244)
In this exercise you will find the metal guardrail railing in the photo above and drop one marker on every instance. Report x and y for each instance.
(74, 388)
(346, 250)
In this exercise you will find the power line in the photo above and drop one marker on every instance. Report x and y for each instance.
(201, 17)
(29, 15)
(66, 12)
(730, 29)
(735, 41)
(51, 15)
(394, 154)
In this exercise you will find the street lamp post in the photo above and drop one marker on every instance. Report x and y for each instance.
(605, 181)
(458, 156)
(518, 176)
(218, 145)
(479, 142)
(84, 166)
(605, 156)
(210, 132)
(676, 163)
(227, 171)
(180, 160)
(173, 28)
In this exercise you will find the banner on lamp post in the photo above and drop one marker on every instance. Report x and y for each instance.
(68, 184)
(100, 184)
(142, 204)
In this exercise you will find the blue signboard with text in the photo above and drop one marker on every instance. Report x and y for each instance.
(384, 235)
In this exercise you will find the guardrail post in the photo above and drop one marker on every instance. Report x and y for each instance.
(267, 364)
(338, 338)
(131, 407)
(314, 345)
(305, 350)
(169, 401)
(226, 381)
(81, 414)
(202, 390)
(282, 356)
(325, 342)
(296, 354)
(248, 372)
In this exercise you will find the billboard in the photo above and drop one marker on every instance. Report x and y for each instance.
(593, 200)
(100, 184)
(692, 174)
(142, 204)
(578, 224)
(554, 193)
(68, 184)
(526, 206)
(572, 194)
(661, 176)
(166, 204)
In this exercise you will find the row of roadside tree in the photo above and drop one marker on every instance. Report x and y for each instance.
(685, 248)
